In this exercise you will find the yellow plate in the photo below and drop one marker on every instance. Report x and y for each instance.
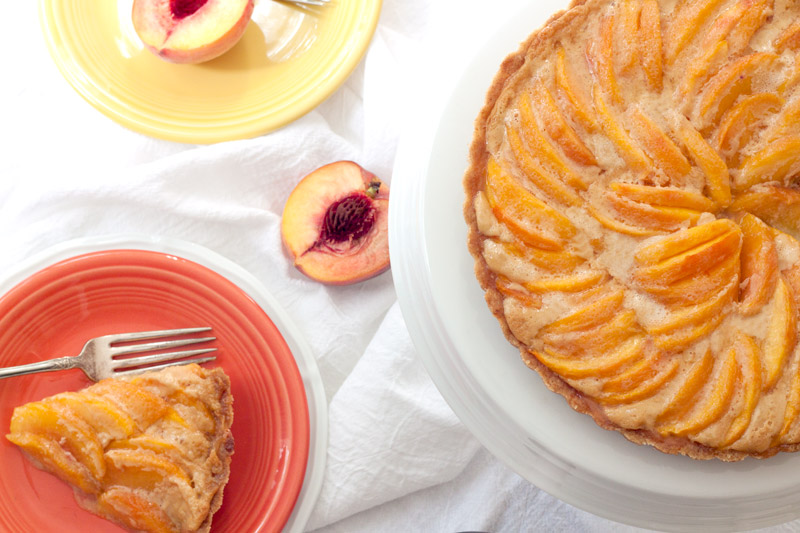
(241, 94)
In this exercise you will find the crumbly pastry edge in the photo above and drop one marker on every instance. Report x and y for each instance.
(224, 448)
(502, 88)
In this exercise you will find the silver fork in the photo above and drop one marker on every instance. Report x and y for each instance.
(99, 359)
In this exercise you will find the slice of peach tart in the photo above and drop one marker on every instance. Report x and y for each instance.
(151, 452)
(634, 216)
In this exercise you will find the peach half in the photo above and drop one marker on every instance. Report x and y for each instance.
(335, 224)
(190, 31)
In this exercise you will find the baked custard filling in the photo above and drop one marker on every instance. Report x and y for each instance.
(634, 216)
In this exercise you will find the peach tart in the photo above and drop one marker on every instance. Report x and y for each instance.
(151, 453)
(634, 216)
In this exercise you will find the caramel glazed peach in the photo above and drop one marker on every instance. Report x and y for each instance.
(634, 217)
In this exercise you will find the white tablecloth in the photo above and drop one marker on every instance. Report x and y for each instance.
(398, 458)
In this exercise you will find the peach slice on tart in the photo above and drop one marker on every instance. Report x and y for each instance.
(49, 453)
(778, 161)
(658, 146)
(191, 31)
(185, 408)
(141, 468)
(541, 177)
(684, 24)
(756, 12)
(685, 396)
(650, 44)
(600, 56)
(776, 205)
(781, 334)
(742, 121)
(681, 339)
(723, 25)
(645, 215)
(792, 412)
(696, 313)
(141, 405)
(791, 275)
(557, 127)
(680, 333)
(145, 473)
(682, 241)
(712, 404)
(604, 365)
(572, 282)
(542, 148)
(602, 215)
(633, 376)
(552, 261)
(716, 172)
(663, 196)
(577, 104)
(694, 289)
(786, 121)
(700, 68)
(626, 24)
(68, 432)
(738, 24)
(528, 217)
(641, 380)
(513, 290)
(750, 381)
(789, 38)
(593, 313)
(732, 81)
(630, 151)
(107, 420)
(597, 342)
(759, 259)
(190, 408)
(134, 511)
(691, 262)
(147, 442)
(335, 225)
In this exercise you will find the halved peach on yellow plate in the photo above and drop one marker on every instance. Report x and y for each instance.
(191, 31)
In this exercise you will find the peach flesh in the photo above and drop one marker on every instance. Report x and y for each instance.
(335, 224)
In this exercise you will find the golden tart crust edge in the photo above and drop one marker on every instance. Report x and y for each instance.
(501, 91)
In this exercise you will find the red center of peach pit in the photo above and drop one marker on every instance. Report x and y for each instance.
(348, 219)
(183, 8)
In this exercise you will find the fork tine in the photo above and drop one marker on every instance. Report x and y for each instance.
(158, 358)
(197, 360)
(152, 346)
(143, 335)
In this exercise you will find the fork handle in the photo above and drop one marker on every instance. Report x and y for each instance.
(60, 363)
